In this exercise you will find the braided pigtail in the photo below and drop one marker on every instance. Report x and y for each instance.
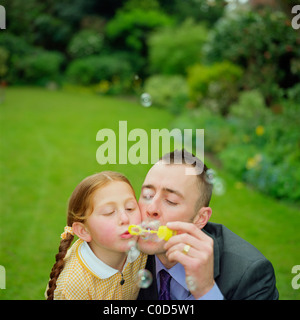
(59, 264)
(79, 208)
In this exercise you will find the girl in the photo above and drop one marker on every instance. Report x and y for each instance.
(97, 266)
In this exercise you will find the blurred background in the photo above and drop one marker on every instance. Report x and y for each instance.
(69, 68)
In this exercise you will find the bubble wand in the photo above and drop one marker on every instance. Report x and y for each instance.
(163, 232)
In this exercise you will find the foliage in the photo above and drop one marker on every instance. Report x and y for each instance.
(254, 143)
(3, 61)
(200, 10)
(41, 67)
(264, 44)
(168, 92)
(85, 43)
(215, 86)
(141, 4)
(217, 133)
(264, 153)
(26, 64)
(93, 69)
(171, 51)
(128, 29)
(50, 32)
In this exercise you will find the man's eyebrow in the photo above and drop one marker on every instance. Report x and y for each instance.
(179, 194)
(148, 186)
(151, 186)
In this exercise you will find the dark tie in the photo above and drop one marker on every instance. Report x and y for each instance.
(165, 279)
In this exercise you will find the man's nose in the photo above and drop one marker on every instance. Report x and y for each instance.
(153, 209)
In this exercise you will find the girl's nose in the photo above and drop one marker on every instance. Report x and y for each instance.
(124, 219)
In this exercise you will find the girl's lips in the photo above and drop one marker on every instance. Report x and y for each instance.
(126, 235)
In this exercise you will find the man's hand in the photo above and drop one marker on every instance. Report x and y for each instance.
(199, 261)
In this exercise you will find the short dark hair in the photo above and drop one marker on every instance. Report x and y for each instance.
(186, 158)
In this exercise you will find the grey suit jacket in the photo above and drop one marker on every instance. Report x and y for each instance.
(240, 270)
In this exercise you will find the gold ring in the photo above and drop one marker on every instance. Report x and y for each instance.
(186, 249)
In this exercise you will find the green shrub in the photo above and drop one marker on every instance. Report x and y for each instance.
(16, 48)
(294, 93)
(235, 158)
(51, 32)
(3, 61)
(40, 67)
(249, 111)
(265, 150)
(93, 69)
(173, 49)
(215, 86)
(216, 130)
(85, 43)
(264, 44)
(168, 92)
(129, 28)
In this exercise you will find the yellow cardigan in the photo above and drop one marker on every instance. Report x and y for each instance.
(85, 277)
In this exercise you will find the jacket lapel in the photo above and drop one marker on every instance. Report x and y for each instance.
(217, 252)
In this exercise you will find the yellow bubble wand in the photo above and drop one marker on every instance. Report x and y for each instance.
(163, 232)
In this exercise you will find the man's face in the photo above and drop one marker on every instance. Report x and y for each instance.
(168, 194)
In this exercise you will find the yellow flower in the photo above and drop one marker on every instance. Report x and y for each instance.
(103, 86)
(259, 130)
(251, 163)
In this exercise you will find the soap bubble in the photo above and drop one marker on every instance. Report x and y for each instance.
(217, 182)
(150, 225)
(191, 283)
(132, 250)
(210, 176)
(146, 100)
(219, 187)
(144, 278)
(154, 224)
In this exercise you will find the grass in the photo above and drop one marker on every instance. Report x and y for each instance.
(48, 144)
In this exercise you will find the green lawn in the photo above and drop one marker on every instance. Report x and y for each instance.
(48, 144)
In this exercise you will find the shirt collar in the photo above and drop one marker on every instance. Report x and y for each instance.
(177, 272)
(96, 266)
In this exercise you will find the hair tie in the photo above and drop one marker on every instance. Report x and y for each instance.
(67, 230)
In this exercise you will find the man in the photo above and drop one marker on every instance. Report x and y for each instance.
(203, 260)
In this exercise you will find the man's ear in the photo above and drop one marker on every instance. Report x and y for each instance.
(202, 217)
(81, 231)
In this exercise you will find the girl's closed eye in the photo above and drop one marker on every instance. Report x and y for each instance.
(131, 206)
(106, 211)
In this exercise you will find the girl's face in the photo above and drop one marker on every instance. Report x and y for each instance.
(114, 209)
